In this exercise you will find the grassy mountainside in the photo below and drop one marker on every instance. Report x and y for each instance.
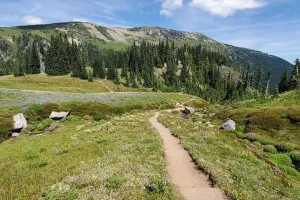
(120, 38)
(260, 160)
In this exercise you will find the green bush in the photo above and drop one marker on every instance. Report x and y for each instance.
(42, 125)
(281, 159)
(262, 141)
(257, 144)
(270, 149)
(267, 122)
(290, 171)
(295, 159)
(251, 136)
(284, 147)
(6, 123)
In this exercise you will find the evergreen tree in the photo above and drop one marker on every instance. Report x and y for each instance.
(283, 85)
(295, 79)
(34, 62)
(259, 78)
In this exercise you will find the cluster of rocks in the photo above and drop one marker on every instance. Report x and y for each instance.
(229, 125)
(20, 122)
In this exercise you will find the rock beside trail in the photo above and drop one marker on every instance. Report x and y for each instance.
(15, 135)
(58, 115)
(187, 111)
(229, 125)
(19, 123)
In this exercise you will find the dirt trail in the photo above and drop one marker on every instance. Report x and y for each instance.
(192, 184)
(106, 86)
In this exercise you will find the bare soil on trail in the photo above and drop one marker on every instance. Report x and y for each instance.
(192, 183)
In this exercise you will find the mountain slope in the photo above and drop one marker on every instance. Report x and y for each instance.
(120, 38)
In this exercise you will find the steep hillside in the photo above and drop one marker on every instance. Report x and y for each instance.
(120, 38)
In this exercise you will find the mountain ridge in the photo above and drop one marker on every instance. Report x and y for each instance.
(120, 38)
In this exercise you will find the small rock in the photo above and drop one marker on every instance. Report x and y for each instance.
(87, 117)
(210, 126)
(15, 135)
(107, 117)
(59, 115)
(212, 115)
(199, 123)
(229, 125)
(189, 110)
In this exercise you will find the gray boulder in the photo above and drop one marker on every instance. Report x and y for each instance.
(188, 110)
(229, 125)
(19, 123)
(59, 115)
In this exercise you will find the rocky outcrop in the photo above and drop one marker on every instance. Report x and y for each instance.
(229, 125)
(19, 123)
(59, 115)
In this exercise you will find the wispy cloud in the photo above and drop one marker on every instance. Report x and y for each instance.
(169, 6)
(225, 8)
(28, 19)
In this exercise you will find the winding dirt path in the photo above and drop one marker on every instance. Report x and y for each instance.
(192, 184)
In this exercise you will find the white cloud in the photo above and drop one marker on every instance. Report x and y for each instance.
(28, 19)
(80, 20)
(226, 8)
(169, 6)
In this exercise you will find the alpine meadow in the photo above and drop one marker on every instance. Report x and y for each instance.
(98, 101)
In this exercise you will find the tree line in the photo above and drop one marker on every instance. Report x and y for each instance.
(163, 66)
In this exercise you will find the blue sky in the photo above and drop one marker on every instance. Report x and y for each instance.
(271, 26)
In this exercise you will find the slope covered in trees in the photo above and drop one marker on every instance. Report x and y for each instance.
(164, 65)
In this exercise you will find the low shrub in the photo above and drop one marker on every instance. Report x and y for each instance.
(157, 185)
(6, 123)
(284, 147)
(114, 182)
(42, 125)
(270, 149)
(295, 159)
(262, 141)
(257, 144)
(294, 118)
(251, 136)
(281, 159)
(267, 122)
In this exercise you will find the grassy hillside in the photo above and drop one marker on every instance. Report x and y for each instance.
(62, 84)
(87, 160)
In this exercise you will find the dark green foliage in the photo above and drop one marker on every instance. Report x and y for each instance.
(284, 147)
(295, 78)
(41, 126)
(283, 85)
(294, 118)
(34, 62)
(296, 159)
